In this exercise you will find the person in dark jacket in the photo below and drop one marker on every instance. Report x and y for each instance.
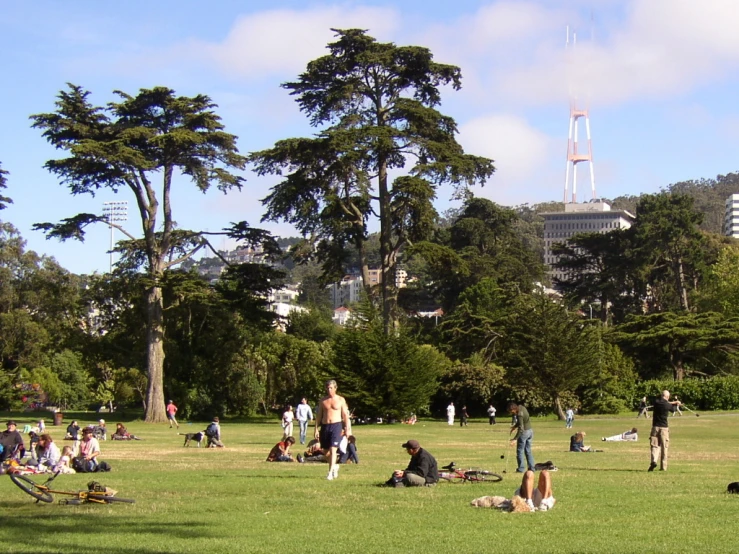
(12, 442)
(422, 469)
(576, 443)
(659, 437)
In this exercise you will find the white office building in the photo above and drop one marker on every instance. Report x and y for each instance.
(731, 216)
(587, 217)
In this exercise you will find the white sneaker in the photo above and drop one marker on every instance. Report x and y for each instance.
(330, 476)
(530, 504)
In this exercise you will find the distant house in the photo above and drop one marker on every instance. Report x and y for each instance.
(283, 310)
(341, 315)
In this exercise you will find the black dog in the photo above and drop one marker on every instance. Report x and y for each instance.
(197, 437)
(733, 488)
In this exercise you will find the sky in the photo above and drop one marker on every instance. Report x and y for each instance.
(659, 78)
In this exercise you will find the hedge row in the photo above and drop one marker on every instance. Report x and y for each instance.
(716, 393)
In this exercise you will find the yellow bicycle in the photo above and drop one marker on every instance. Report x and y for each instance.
(42, 492)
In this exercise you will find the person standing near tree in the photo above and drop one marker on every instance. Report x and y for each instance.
(450, 413)
(171, 411)
(659, 437)
(569, 418)
(523, 438)
(304, 414)
(332, 411)
(491, 414)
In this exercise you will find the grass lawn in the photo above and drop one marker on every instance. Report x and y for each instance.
(230, 500)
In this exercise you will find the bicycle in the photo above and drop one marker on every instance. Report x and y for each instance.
(96, 493)
(456, 475)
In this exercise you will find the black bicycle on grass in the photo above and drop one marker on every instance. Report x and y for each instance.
(42, 492)
(456, 475)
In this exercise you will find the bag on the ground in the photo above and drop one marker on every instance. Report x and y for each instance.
(549, 466)
(80, 465)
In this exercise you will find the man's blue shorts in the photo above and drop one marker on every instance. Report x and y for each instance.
(330, 434)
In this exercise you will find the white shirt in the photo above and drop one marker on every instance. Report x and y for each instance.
(450, 410)
(303, 412)
(288, 417)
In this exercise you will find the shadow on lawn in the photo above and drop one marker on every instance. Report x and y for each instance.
(40, 533)
(605, 469)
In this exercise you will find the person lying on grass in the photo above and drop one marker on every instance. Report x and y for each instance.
(625, 436)
(281, 451)
(576, 443)
(526, 498)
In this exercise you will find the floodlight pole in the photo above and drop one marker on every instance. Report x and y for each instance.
(114, 211)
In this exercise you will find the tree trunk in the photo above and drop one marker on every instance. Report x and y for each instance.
(682, 289)
(385, 240)
(558, 409)
(155, 408)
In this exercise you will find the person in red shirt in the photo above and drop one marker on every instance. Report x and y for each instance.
(171, 411)
(281, 451)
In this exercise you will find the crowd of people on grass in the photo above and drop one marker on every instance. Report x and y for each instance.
(333, 443)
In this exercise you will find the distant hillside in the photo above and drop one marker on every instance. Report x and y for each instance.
(709, 194)
(710, 197)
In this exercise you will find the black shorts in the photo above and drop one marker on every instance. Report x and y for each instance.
(330, 434)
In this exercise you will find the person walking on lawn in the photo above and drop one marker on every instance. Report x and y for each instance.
(659, 437)
(171, 411)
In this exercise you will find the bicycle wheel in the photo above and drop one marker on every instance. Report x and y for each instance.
(111, 499)
(475, 475)
(31, 488)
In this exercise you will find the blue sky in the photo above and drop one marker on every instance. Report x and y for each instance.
(660, 76)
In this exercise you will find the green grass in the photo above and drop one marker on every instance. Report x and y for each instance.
(207, 500)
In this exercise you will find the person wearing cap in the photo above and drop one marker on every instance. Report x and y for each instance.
(101, 431)
(12, 442)
(89, 450)
(171, 411)
(422, 469)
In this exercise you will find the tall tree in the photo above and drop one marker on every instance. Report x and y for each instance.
(670, 247)
(547, 349)
(680, 341)
(379, 101)
(131, 143)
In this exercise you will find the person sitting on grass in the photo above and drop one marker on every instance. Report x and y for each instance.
(213, 432)
(576, 443)
(348, 450)
(122, 434)
(422, 469)
(526, 498)
(73, 431)
(64, 465)
(47, 453)
(86, 461)
(625, 436)
(281, 451)
(314, 452)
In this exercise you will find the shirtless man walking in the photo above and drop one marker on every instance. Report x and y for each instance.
(332, 411)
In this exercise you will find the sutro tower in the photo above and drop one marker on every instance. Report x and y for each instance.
(574, 154)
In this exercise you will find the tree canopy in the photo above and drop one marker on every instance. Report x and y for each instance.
(376, 106)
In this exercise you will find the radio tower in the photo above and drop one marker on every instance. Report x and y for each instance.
(574, 155)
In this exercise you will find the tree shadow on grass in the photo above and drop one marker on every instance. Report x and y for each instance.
(43, 531)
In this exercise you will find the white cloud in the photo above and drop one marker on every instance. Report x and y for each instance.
(283, 41)
(524, 156)
(513, 54)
